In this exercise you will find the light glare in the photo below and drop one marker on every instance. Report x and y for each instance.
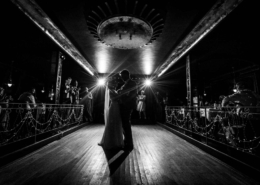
(101, 82)
(103, 59)
(148, 82)
(147, 60)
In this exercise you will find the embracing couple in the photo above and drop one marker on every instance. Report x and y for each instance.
(119, 105)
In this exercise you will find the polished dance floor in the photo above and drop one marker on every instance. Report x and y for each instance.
(159, 157)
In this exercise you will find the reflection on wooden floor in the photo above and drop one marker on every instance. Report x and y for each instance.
(159, 157)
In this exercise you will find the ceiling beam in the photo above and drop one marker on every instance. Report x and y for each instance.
(31, 9)
(216, 14)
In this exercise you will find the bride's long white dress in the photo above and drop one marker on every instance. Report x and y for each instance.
(113, 133)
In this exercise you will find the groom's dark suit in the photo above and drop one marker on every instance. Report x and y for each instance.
(127, 104)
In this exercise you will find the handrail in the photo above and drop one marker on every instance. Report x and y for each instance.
(235, 127)
(18, 122)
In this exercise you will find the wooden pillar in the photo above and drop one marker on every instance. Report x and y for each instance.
(188, 81)
(58, 78)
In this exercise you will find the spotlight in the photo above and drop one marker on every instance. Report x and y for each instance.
(148, 82)
(101, 82)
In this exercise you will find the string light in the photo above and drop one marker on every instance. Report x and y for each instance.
(207, 128)
(30, 121)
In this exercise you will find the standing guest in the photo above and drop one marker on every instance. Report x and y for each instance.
(166, 100)
(5, 100)
(28, 98)
(87, 101)
(159, 107)
(164, 105)
(141, 106)
(67, 96)
(2, 95)
(75, 93)
(33, 91)
(3, 104)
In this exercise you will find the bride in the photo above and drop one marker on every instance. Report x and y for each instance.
(113, 133)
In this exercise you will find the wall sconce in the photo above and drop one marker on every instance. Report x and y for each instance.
(43, 90)
(10, 84)
(62, 57)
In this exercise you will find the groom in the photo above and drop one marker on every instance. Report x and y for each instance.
(127, 104)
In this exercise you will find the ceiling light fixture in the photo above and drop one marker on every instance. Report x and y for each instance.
(124, 24)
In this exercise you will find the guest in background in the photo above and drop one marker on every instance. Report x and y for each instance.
(141, 106)
(2, 95)
(166, 100)
(87, 101)
(5, 100)
(165, 104)
(51, 96)
(242, 96)
(244, 101)
(75, 93)
(67, 96)
(33, 91)
(28, 98)
(159, 106)
(3, 105)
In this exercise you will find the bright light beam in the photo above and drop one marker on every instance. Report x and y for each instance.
(148, 82)
(101, 82)
(147, 60)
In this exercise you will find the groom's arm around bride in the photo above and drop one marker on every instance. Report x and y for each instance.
(127, 95)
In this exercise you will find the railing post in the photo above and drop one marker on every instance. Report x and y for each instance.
(205, 109)
(36, 118)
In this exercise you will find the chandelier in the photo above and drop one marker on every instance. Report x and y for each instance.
(124, 24)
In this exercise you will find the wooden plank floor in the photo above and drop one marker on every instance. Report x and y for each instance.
(159, 157)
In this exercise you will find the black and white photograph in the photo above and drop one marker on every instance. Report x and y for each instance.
(130, 92)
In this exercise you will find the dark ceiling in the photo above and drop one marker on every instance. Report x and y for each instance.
(230, 46)
(180, 18)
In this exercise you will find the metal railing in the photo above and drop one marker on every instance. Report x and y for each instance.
(19, 122)
(235, 127)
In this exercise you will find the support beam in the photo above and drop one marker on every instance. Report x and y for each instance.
(188, 81)
(58, 79)
(217, 13)
(31, 9)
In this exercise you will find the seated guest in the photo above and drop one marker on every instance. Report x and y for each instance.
(244, 101)
(242, 96)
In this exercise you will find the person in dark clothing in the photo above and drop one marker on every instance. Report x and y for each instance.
(127, 104)
(87, 101)
(242, 96)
